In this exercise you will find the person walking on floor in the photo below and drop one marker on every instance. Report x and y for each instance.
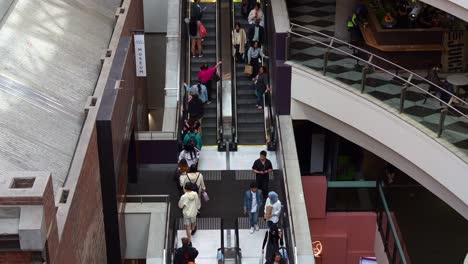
(272, 210)
(186, 253)
(190, 204)
(262, 85)
(239, 40)
(196, 179)
(262, 168)
(206, 77)
(253, 200)
(254, 55)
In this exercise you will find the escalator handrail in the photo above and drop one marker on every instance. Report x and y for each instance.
(234, 78)
(219, 87)
(268, 96)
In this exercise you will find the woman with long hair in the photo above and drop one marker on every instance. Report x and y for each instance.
(239, 40)
(191, 154)
(195, 38)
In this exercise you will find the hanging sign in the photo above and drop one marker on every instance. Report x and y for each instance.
(140, 59)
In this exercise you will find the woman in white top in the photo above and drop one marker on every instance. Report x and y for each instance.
(191, 154)
(275, 204)
(239, 40)
(255, 14)
(194, 177)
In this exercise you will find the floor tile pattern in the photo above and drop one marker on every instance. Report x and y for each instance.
(386, 88)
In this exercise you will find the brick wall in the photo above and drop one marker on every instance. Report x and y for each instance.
(15, 257)
(83, 239)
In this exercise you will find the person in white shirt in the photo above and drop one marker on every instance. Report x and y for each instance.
(255, 14)
(195, 177)
(253, 200)
(191, 154)
(190, 204)
(272, 215)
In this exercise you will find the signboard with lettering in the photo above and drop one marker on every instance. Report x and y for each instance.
(140, 59)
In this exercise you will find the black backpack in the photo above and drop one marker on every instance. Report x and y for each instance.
(196, 188)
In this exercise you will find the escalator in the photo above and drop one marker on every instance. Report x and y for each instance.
(250, 121)
(209, 134)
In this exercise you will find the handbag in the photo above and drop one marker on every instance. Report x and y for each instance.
(215, 77)
(203, 32)
(205, 196)
(248, 69)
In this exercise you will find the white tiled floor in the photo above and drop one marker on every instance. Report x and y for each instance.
(211, 159)
(206, 242)
(251, 245)
(244, 158)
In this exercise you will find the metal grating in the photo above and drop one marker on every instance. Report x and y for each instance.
(207, 223)
(248, 175)
(244, 223)
(211, 175)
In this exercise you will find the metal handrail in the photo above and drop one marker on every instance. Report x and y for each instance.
(369, 62)
(219, 88)
(288, 199)
(392, 228)
(234, 78)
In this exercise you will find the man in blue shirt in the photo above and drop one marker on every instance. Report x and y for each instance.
(253, 200)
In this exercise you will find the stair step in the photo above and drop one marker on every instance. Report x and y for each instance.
(250, 127)
(249, 119)
(251, 138)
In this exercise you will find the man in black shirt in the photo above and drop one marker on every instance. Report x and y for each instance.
(262, 168)
(195, 108)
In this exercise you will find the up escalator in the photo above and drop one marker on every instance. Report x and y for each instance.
(209, 136)
(250, 121)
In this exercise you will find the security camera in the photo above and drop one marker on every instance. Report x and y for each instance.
(415, 12)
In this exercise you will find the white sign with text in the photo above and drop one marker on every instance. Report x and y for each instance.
(140, 59)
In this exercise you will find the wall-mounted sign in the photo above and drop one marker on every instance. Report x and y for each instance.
(140, 57)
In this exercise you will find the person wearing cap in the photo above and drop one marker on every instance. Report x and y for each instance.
(253, 200)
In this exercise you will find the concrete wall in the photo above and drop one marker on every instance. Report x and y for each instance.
(330, 104)
(156, 13)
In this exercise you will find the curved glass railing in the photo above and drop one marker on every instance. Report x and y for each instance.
(439, 113)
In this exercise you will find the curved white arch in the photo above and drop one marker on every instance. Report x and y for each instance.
(330, 104)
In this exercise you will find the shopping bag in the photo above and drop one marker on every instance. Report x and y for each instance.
(205, 196)
(203, 32)
(248, 69)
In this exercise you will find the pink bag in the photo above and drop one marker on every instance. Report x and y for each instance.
(203, 32)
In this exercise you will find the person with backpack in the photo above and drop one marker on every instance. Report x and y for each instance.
(193, 139)
(190, 204)
(181, 172)
(196, 178)
(185, 254)
(196, 10)
(191, 154)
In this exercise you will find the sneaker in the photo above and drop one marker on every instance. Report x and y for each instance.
(252, 230)
(257, 228)
(208, 102)
(201, 55)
